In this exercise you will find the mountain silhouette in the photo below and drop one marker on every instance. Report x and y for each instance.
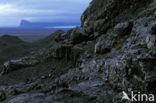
(28, 24)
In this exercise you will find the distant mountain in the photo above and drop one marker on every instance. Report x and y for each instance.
(28, 24)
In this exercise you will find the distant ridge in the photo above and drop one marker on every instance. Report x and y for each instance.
(28, 24)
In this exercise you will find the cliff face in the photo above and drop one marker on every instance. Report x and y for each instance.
(104, 14)
(112, 54)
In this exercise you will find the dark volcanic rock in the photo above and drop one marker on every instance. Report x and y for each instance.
(103, 45)
(33, 98)
(123, 28)
(78, 33)
(2, 95)
(153, 29)
(105, 14)
(114, 51)
(66, 52)
(13, 65)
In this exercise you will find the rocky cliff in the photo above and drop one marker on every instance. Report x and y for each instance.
(112, 54)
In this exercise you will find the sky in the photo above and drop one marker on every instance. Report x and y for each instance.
(13, 11)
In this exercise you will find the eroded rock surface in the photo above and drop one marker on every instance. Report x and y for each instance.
(113, 51)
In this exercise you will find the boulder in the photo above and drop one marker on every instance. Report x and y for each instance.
(78, 35)
(103, 45)
(59, 51)
(64, 51)
(100, 26)
(32, 98)
(58, 35)
(13, 65)
(123, 28)
(151, 42)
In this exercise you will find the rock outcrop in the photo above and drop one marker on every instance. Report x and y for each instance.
(114, 51)
(13, 65)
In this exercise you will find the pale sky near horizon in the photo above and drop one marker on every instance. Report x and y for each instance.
(13, 11)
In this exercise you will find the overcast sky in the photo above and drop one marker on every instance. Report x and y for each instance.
(13, 11)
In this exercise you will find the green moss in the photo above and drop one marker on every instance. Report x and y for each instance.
(119, 43)
(113, 1)
(89, 67)
(64, 52)
(101, 13)
(136, 32)
(91, 24)
(144, 50)
(119, 46)
(68, 34)
(79, 45)
(66, 45)
(154, 9)
(86, 52)
(148, 12)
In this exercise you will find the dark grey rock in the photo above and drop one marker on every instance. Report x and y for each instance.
(78, 33)
(153, 30)
(123, 29)
(58, 36)
(2, 95)
(151, 42)
(114, 51)
(13, 65)
(103, 45)
(31, 98)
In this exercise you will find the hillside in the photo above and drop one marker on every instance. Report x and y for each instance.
(111, 55)
(7, 40)
(12, 47)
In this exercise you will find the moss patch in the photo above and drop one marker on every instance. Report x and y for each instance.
(79, 45)
(119, 43)
(66, 45)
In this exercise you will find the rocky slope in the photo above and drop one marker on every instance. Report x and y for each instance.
(113, 51)
(12, 47)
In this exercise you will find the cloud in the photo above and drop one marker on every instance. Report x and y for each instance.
(6, 9)
(41, 10)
